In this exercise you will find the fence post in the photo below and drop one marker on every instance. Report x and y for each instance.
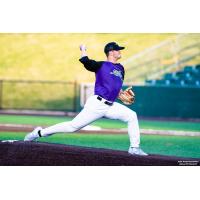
(75, 95)
(1, 94)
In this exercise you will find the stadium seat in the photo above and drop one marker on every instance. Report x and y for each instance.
(197, 66)
(160, 82)
(189, 76)
(180, 74)
(150, 82)
(189, 69)
(168, 76)
(190, 82)
(197, 83)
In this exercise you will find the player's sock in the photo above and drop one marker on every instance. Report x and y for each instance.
(39, 133)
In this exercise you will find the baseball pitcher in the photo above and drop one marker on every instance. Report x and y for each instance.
(109, 79)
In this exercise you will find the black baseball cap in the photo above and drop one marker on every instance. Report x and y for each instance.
(112, 46)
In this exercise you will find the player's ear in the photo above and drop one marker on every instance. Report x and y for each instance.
(110, 53)
(107, 54)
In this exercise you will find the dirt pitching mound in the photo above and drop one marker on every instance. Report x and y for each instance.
(19, 153)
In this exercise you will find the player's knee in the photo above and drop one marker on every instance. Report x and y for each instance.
(73, 128)
(132, 116)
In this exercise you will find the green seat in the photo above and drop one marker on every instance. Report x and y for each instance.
(197, 67)
(150, 82)
(168, 76)
(189, 76)
(189, 69)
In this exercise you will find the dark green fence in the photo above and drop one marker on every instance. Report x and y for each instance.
(38, 95)
(180, 102)
(151, 101)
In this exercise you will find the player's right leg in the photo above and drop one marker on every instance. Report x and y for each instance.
(92, 111)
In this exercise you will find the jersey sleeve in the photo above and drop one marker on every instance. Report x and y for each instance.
(89, 64)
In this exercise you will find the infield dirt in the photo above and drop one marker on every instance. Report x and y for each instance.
(19, 153)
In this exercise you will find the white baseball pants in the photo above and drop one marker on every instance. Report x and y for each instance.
(95, 109)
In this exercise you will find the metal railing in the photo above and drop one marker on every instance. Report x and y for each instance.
(168, 56)
(38, 95)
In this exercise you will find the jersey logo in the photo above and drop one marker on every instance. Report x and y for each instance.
(117, 73)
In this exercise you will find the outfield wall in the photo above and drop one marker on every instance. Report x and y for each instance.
(157, 101)
(151, 101)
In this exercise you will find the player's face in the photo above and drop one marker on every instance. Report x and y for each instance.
(117, 54)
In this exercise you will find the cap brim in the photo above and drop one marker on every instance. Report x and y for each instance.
(121, 48)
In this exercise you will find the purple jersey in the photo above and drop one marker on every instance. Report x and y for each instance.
(109, 77)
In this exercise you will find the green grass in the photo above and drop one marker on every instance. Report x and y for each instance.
(19, 95)
(104, 123)
(164, 145)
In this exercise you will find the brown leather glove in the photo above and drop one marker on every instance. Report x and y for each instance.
(127, 96)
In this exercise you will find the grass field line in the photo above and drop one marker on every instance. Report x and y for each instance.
(27, 128)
